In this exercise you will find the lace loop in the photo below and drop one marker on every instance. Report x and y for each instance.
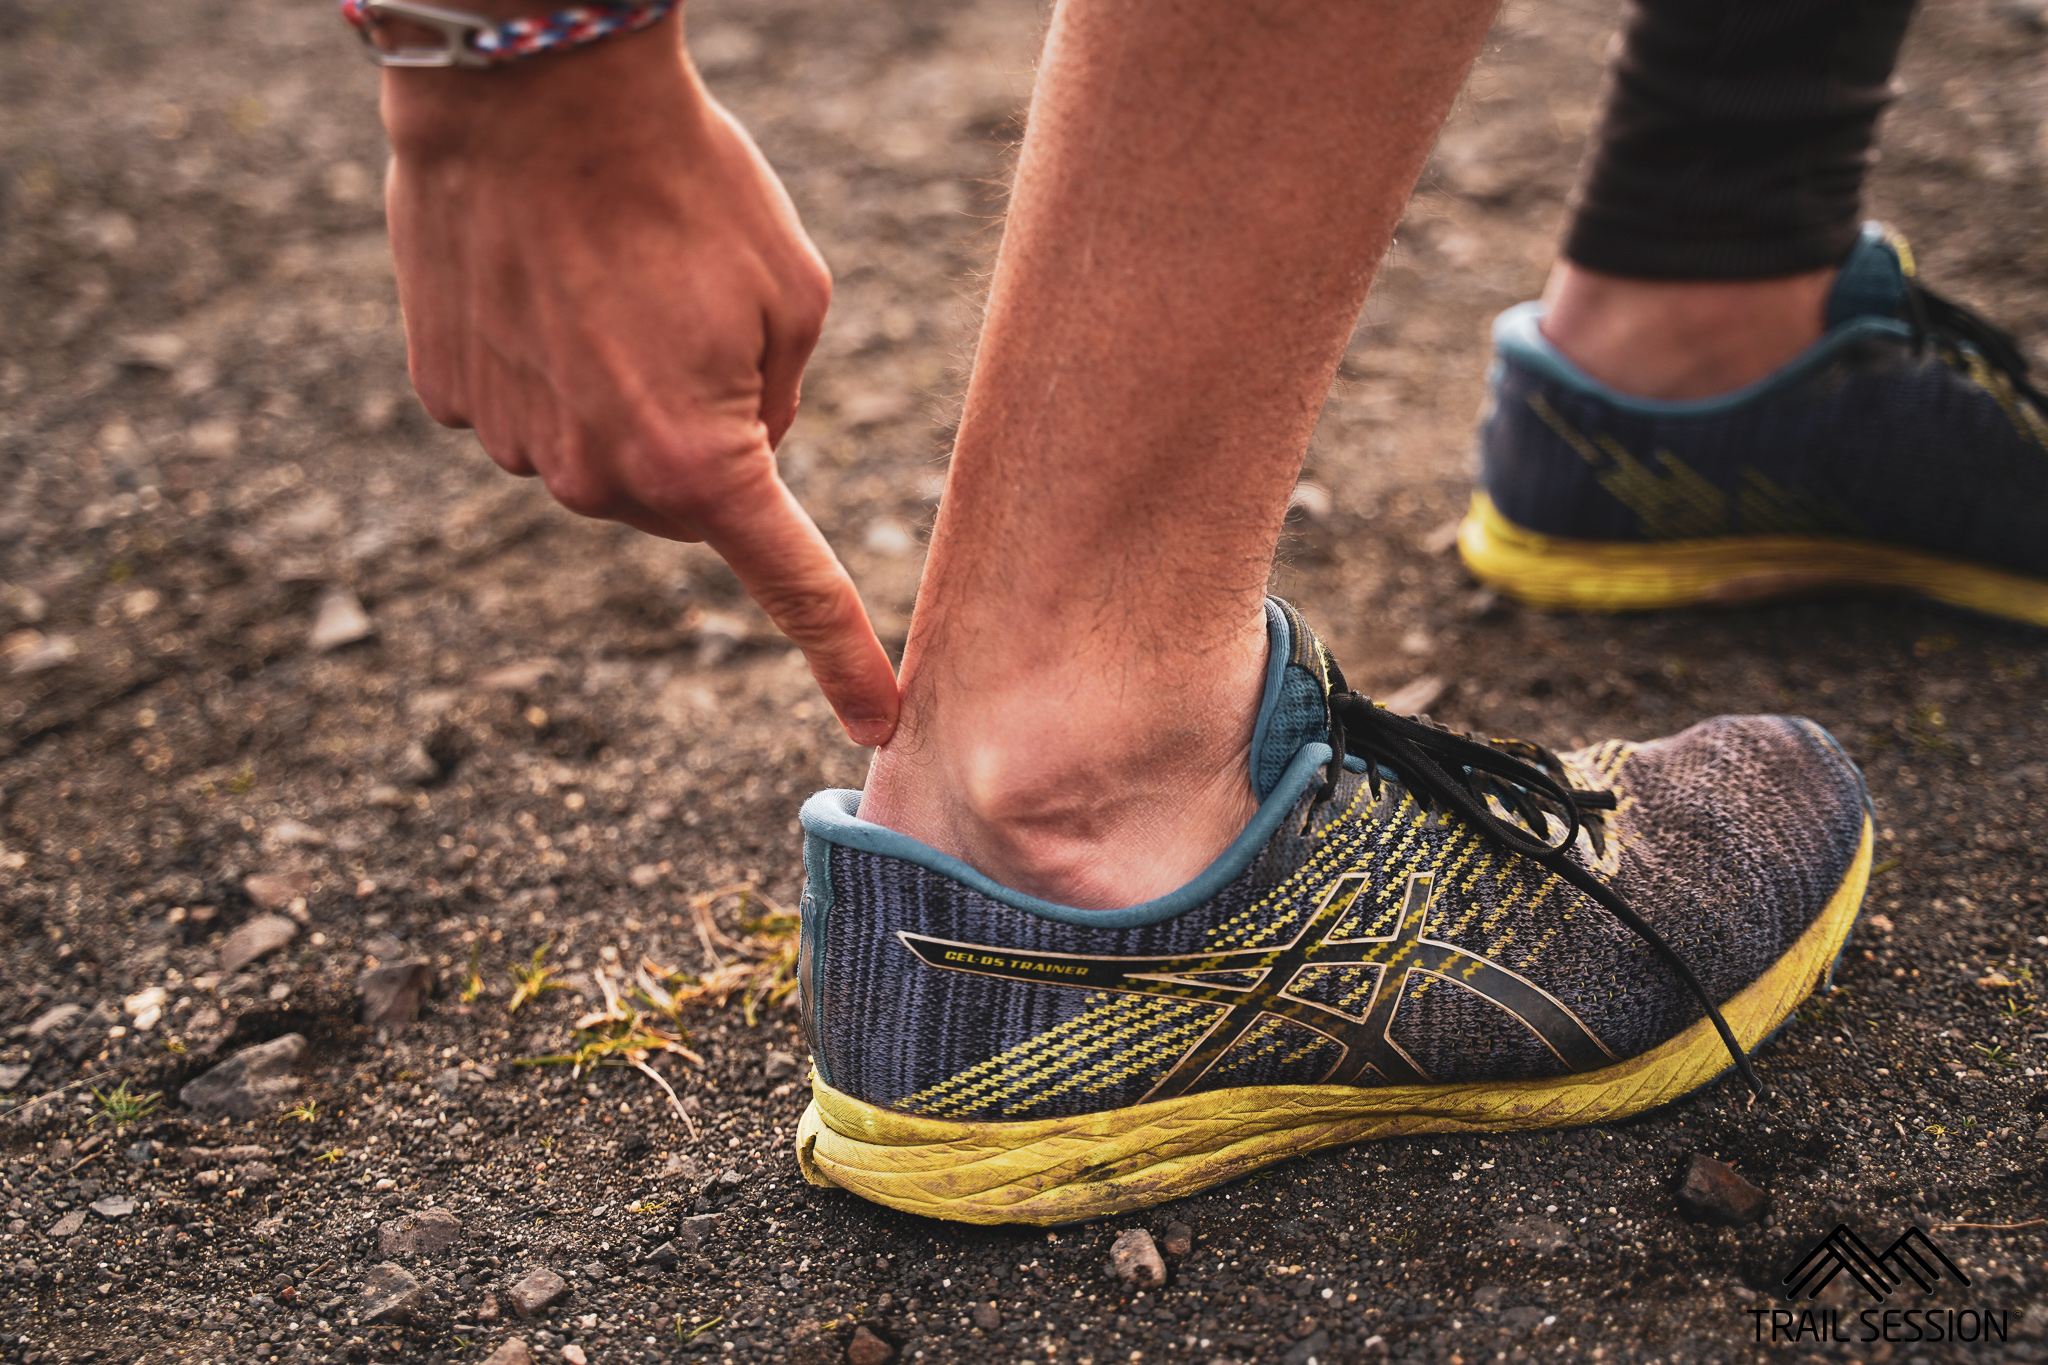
(1440, 767)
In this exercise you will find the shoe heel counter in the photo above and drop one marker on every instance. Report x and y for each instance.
(814, 912)
(1529, 467)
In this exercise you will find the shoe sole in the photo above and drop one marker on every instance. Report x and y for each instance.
(1605, 576)
(1092, 1165)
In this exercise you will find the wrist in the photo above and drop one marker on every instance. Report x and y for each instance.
(611, 85)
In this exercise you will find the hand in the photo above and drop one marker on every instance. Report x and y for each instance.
(603, 277)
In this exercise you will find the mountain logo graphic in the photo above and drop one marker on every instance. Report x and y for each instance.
(1913, 1256)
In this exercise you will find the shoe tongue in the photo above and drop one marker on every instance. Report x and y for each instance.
(1295, 710)
(1872, 281)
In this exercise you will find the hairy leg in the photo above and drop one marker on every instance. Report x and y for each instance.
(1205, 190)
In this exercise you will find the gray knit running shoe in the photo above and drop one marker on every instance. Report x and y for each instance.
(1443, 934)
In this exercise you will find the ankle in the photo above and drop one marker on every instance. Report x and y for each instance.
(1682, 339)
(1090, 803)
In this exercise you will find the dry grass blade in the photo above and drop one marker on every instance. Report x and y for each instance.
(620, 1033)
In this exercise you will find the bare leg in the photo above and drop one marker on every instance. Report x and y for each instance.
(1679, 339)
(1204, 193)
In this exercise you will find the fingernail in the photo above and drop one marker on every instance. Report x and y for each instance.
(869, 733)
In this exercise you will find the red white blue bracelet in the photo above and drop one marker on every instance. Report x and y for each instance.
(474, 40)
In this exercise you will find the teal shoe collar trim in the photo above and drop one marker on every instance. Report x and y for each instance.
(830, 816)
(1517, 337)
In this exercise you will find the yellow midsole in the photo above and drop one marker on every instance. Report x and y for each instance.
(1090, 1165)
(1598, 575)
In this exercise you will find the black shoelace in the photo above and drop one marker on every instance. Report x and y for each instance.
(1441, 768)
(1949, 324)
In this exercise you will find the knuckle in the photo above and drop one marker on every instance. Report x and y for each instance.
(809, 612)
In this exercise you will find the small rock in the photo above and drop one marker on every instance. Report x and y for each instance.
(731, 1177)
(54, 1018)
(1179, 1240)
(387, 797)
(276, 890)
(416, 767)
(690, 1232)
(1136, 1260)
(30, 651)
(340, 621)
(487, 1310)
(249, 1084)
(1881, 923)
(986, 1316)
(868, 1349)
(390, 1294)
(113, 1206)
(263, 934)
(290, 833)
(538, 1290)
(70, 1225)
(143, 1152)
(1712, 1190)
(511, 1351)
(255, 1174)
(1314, 1347)
(421, 1233)
(523, 676)
(13, 1074)
(781, 1066)
(574, 1354)
(391, 995)
(1995, 980)
(676, 1166)
(448, 1084)
(665, 1256)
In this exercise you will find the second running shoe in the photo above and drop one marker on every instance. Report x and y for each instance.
(1906, 449)
(1438, 934)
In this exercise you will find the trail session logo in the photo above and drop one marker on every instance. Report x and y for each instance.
(1912, 1256)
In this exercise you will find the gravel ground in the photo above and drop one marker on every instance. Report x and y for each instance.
(295, 678)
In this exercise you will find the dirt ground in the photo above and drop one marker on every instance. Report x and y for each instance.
(552, 733)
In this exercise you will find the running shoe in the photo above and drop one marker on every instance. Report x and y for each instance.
(1906, 449)
(1440, 933)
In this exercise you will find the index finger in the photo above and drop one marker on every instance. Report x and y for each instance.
(782, 559)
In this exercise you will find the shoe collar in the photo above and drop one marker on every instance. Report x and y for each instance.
(1289, 748)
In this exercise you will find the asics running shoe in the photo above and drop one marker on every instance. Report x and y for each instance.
(1436, 934)
(1906, 449)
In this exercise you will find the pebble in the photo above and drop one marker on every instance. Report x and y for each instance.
(1713, 1191)
(574, 1354)
(511, 1351)
(1136, 1260)
(113, 1206)
(276, 890)
(50, 1020)
(665, 1256)
(1310, 1350)
(868, 1349)
(537, 1290)
(1416, 696)
(1179, 1240)
(254, 938)
(780, 1067)
(986, 1316)
(70, 1225)
(690, 1232)
(13, 1074)
(391, 995)
(339, 621)
(390, 1294)
(422, 1233)
(249, 1084)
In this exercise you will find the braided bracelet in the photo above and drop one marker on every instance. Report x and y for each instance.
(474, 40)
